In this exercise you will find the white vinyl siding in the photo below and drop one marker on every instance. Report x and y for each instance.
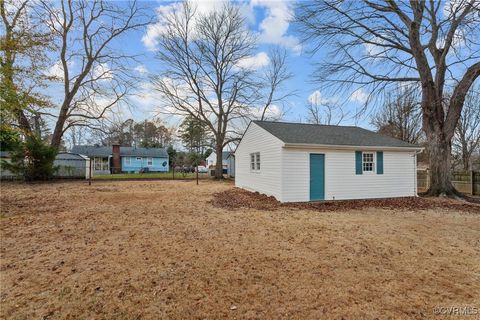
(267, 179)
(285, 171)
(341, 182)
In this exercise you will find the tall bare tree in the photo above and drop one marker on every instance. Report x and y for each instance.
(96, 75)
(201, 56)
(400, 116)
(377, 44)
(467, 133)
(274, 79)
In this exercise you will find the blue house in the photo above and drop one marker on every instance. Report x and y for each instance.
(112, 159)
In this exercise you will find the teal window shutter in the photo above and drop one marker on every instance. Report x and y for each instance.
(358, 162)
(379, 162)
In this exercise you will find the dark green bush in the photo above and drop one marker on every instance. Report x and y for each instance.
(32, 159)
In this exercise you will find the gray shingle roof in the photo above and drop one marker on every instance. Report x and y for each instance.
(301, 133)
(105, 151)
(70, 156)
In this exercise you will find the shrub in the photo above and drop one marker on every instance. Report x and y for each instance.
(32, 159)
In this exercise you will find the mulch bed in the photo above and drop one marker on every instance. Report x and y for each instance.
(237, 198)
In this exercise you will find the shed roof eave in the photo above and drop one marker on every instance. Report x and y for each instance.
(347, 147)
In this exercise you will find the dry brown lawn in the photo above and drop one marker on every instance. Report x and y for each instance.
(162, 250)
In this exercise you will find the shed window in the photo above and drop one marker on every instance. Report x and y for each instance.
(128, 160)
(149, 161)
(368, 163)
(255, 161)
(139, 158)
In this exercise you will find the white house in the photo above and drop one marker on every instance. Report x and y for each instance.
(226, 162)
(308, 162)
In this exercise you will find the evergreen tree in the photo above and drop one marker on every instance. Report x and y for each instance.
(32, 159)
(195, 135)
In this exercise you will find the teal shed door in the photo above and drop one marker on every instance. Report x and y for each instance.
(317, 177)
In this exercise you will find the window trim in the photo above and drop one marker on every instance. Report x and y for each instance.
(255, 162)
(373, 162)
(150, 161)
(128, 161)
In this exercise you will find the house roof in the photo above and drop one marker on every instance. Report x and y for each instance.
(315, 134)
(70, 156)
(225, 154)
(105, 151)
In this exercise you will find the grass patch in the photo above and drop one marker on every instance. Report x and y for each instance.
(152, 175)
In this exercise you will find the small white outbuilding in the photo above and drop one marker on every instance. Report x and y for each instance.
(72, 165)
(297, 162)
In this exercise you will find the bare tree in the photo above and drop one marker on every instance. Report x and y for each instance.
(329, 113)
(274, 79)
(96, 76)
(400, 116)
(375, 45)
(201, 55)
(467, 133)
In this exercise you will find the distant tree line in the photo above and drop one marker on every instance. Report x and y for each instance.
(129, 133)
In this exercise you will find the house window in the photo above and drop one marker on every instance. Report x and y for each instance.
(149, 161)
(255, 161)
(100, 164)
(368, 163)
(128, 161)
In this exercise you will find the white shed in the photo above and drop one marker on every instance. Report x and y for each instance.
(72, 165)
(307, 162)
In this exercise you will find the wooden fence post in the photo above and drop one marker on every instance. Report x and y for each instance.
(471, 182)
(90, 173)
(428, 180)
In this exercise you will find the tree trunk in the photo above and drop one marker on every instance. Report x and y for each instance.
(58, 131)
(439, 150)
(23, 122)
(465, 158)
(57, 136)
(219, 164)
